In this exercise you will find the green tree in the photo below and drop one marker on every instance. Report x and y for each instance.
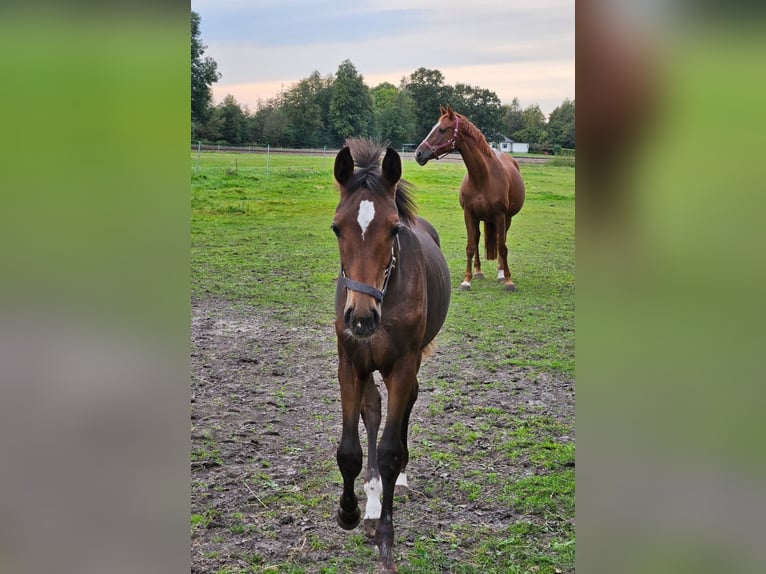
(306, 105)
(427, 90)
(276, 126)
(513, 118)
(481, 106)
(350, 112)
(204, 73)
(394, 114)
(534, 131)
(561, 124)
(233, 121)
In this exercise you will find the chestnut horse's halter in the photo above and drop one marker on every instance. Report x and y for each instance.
(450, 142)
(373, 292)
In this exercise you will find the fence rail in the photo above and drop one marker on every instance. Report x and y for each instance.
(407, 154)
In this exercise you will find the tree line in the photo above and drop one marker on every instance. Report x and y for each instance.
(324, 110)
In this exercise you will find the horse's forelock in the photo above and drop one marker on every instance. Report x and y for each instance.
(367, 156)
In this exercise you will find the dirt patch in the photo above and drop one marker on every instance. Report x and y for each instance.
(266, 423)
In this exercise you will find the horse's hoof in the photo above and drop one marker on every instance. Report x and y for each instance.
(510, 287)
(348, 520)
(386, 561)
(382, 568)
(370, 526)
(478, 275)
(465, 286)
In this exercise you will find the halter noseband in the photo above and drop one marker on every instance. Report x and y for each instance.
(450, 142)
(373, 292)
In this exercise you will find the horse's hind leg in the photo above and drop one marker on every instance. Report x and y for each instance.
(391, 451)
(349, 454)
(401, 480)
(477, 273)
(373, 486)
(503, 269)
(471, 248)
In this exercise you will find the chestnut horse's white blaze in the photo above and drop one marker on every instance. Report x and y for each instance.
(433, 129)
(366, 215)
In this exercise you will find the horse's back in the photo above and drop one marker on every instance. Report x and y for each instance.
(437, 278)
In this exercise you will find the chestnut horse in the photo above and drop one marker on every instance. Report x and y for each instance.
(492, 191)
(391, 299)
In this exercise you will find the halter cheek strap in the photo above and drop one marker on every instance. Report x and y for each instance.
(450, 142)
(373, 292)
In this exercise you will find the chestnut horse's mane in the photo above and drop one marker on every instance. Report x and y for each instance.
(475, 134)
(367, 156)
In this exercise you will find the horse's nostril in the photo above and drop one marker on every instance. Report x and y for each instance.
(347, 317)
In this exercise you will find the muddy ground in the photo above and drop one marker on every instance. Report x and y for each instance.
(266, 423)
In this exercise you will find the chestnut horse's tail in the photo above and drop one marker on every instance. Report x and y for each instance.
(490, 240)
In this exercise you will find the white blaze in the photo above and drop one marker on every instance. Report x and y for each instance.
(433, 129)
(366, 215)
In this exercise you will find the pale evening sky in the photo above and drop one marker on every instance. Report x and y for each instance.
(516, 49)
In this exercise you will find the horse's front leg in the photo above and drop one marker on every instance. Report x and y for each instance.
(373, 487)
(391, 451)
(349, 454)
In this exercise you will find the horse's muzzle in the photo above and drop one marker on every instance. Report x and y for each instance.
(362, 324)
(422, 155)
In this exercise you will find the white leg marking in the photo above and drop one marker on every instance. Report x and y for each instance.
(366, 215)
(373, 489)
(500, 274)
(465, 285)
(401, 480)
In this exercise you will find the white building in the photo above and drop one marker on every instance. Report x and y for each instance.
(510, 146)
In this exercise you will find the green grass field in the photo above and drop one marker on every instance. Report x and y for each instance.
(266, 239)
(263, 240)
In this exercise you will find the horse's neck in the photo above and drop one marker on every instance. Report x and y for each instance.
(476, 154)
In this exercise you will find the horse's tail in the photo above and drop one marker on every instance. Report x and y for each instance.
(490, 240)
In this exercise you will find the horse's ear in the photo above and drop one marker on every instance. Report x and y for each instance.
(442, 109)
(344, 166)
(392, 167)
(450, 113)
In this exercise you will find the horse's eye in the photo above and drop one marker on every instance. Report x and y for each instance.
(395, 230)
(335, 229)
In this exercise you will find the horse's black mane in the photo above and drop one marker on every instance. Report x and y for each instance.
(367, 157)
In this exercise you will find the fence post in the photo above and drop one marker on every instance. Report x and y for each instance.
(199, 148)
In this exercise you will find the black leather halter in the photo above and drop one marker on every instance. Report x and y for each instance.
(373, 292)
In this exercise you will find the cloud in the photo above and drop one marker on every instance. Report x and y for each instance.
(516, 50)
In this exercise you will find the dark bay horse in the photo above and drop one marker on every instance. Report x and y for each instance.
(492, 191)
(391, 300)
